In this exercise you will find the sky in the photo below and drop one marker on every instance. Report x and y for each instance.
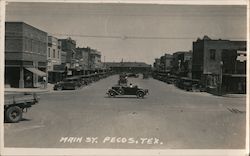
(132, 32)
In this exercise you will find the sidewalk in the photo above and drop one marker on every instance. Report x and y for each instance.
(33, 90)
(235, 95)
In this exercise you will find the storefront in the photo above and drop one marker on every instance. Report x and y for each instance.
(234, 83)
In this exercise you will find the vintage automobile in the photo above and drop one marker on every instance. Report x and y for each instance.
(127, 90)
(189, 84)
(145, 76)
(133, 75)
(15, 103)
(171, 79)
(69, 83)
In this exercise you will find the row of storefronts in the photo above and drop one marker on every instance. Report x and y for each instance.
(219, 65)
(33, 57)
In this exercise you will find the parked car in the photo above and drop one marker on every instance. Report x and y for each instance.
(85, 79)
(127, 90)
(145, 76)
(132, 75)
(69, 83)
(171, 79)
(188, 84)
(17, 103)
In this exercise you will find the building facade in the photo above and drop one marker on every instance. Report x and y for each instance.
(55, 59)
(83, 55)
(181, 63)
(157, 64)
(216, 63)
(95, 59)
(25, 55)
(166, 62)
(54, 52)
(63, 57)
(129, 67)
(69, 46)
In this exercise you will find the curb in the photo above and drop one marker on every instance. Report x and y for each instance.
(17, 90)
(235, 95)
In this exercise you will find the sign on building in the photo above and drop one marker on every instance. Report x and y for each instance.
(241, 56)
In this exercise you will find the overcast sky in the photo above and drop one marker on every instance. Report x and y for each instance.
(133, 32)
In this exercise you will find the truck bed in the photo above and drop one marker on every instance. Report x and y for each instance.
(17, 98)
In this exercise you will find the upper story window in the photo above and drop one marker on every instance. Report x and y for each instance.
(49, 52)
(26, 44)
(212, 53)
(54, 53)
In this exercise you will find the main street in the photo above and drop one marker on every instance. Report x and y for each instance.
(168, 118)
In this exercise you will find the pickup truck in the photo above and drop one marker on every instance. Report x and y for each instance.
(17, 103)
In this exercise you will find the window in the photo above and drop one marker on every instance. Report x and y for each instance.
(54, 53)
(32, 46)
(30, 41)
(212, 54)
(26, 44)
(58, 53)
(49, 52)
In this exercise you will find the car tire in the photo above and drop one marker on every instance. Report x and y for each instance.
(121, 91)
(111, 93)
(13, 114)
(59, 88)
(140, 94)
(76, 87)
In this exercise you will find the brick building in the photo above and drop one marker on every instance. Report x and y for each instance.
(166, 62)
(83, 55)
(25, 55)
(54, 52)
(157, 64)
(95, 59)
(55, 59)
(181, 63)
(63, 57)
(69, 46)
(216, 63)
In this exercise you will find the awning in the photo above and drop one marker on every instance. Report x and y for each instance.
(36, 71)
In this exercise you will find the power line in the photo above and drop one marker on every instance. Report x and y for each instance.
(124, 37)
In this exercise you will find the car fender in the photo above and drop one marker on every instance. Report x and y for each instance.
(141, 91)
(112, 90)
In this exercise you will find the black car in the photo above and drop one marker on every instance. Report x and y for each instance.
(127, 90)
(132, 75)
(188, 84)
(145, 76)
(171, 79)
(69, 83)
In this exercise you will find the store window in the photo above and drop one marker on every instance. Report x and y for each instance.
(212, 54)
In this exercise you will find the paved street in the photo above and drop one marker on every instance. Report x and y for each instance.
(168, 118)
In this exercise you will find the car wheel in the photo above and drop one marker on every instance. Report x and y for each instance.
(13, 114)
(76, 87)
(140, 94)
(111, 94)
(121, 91)
(59, 88)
